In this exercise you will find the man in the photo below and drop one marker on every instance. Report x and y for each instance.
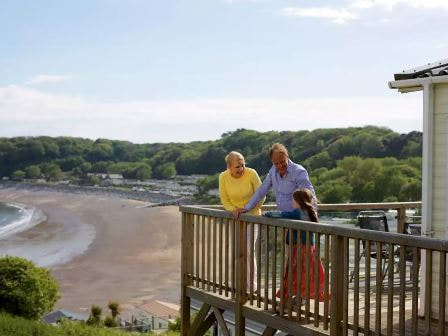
(284, 178)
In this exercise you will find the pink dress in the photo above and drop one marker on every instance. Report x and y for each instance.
(313, 260)
(304, 255)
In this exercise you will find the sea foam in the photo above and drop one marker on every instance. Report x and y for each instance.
(28, 217)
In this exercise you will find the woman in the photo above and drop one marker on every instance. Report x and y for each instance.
(236, 187)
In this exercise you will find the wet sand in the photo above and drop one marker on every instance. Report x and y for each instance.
(132, 253)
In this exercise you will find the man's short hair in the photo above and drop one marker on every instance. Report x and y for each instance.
(278, 148)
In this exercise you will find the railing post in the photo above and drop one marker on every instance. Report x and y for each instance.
(337, 285)
(240, 300)
(186, 269)
(401, 219)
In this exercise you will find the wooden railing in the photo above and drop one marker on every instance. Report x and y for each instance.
(371, 282)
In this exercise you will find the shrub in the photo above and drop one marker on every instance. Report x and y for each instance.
(17, 326)
(25, 289)
(95, 316)
(110, 322)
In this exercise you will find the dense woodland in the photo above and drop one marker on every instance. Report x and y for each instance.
(356, 164)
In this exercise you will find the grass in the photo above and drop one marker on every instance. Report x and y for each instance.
(17, 326)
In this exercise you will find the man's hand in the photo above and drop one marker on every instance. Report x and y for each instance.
(237, 213)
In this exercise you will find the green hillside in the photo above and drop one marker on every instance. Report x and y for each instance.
(346, 164)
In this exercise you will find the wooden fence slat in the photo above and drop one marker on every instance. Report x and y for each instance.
(282, 272)
(367, 288)
(317, 279)
(402, 269)
(299, 274)
(337, 285)
(233, 231)
(197, 244)
(379, 285)
(221, 223)
(203, 252)
(428, 292)
(226, 257)
(252, 266)
(274, 272)
(415, 287)
(266, 268)
(345, 273)
(290, 252)
(356, 290)
(241, 258)
(258, 240)
(209, 229)
(307, 277)
(390, 294)
(326, 282)
(215, 226)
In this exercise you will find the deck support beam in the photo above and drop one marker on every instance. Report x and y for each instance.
(337, 285)
(186, 270)
(241, 297)
(199, 320)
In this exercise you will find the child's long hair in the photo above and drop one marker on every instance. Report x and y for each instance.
(304, 197)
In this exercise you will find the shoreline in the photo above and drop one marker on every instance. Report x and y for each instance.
(121, 249)
(152, 198)
(34, 217)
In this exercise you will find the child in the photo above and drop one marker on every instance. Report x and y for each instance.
(303, 210)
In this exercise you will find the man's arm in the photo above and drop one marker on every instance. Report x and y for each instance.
(256, 183)
(303, 180)
(261, 192)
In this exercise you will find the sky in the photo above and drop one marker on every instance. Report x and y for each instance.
(178, 71)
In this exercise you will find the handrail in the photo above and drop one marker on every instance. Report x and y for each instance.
(400, 207)
(347, 206)
(379, 236)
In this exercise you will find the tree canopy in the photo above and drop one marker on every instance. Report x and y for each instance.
(354, 163)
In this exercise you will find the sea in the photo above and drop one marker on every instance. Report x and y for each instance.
(16, 217)
(57, 243)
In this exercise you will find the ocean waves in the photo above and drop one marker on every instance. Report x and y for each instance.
(17, 217)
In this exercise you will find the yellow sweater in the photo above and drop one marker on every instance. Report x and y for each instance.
(236, 192)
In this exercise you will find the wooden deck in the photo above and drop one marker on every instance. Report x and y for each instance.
(217, 253)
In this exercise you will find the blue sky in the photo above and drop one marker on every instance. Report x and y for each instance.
(160, 71)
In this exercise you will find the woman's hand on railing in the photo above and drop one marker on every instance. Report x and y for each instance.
(237, 213)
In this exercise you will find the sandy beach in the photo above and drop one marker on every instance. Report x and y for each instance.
(102, 248)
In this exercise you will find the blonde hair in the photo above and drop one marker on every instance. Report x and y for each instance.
(233, 155)
(278, 148)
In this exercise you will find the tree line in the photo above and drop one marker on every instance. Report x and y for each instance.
(386, 158)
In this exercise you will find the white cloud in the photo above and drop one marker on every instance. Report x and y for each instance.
(336, 15)
(241, 1)
(25, 111)
(43, 79)
(391, 4)
(355, 9)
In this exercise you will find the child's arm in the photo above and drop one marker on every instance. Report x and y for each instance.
(273, 214)
(283, 214)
